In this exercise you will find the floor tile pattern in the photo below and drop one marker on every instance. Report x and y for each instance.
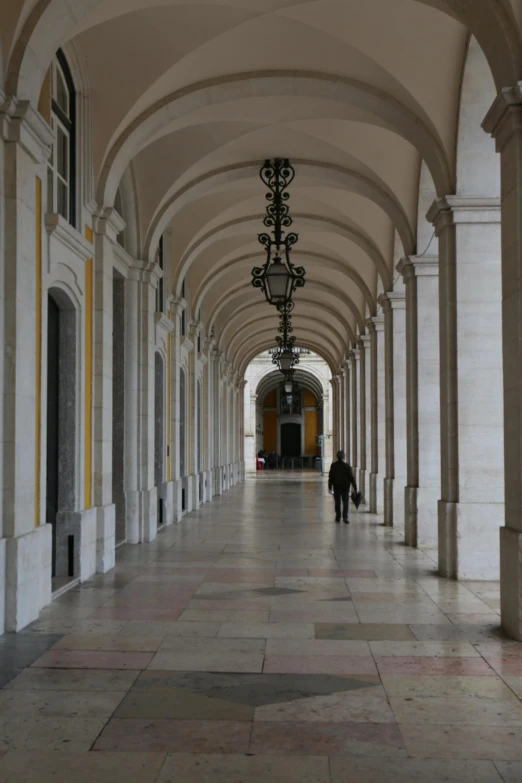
(259, 641)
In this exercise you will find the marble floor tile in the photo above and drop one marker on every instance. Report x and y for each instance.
(319, 664)
(315, 738)
(388, 770)
(224, 615)
(365, 705)
(267, 630)
(178, 703)
(448, 686)
(233, 768)
(503, 743)
(461, 711)
(424, 649)
(41, 732)
(365, 632)
(159, 629)
(59, 703)
(50, 767)
(7, 675)
(316, 647)
(79, 659)
(510, 771)
(74, 679)
(207, 661)
(458, 633)
(509, 665)
(174, 736)
(120, 643)
(336, 615)
(409, 665)
(67, 625)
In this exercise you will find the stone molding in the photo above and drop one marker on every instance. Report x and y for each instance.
(123, 259)
(107, 222)
(375, 324)
(177, 305)
(418, 266)
(21, 124)
(145, 272)
(392, 301)
(504, 118)
(163, 323)
(61, 230)
(452, 210)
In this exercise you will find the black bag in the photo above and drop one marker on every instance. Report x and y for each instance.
(356, 499)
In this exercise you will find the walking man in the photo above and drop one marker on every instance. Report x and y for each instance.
(340, 479)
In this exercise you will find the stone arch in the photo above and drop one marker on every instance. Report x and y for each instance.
(372, 188)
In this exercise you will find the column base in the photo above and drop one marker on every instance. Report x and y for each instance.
(177, 511)
(388, 502)
(399, 482)
(166, 493)
(28, 576)
(3, 547)
(193, 492)
(106, 538)
(511, 582)
(468, 540)
(361, 486)
(142, 515)
(88, 544)
(373, 493)
(410, 515)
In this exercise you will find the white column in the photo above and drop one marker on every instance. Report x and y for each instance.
(368, 411)
(354, 412)
(376, 418)
(193, 435)
(25, 539)
(342, 411)
(360, 357)
(346, 409)
(394, 307)
(470, 511)
(335, 439)
(423, 399)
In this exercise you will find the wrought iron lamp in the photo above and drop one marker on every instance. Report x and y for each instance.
(278, 277)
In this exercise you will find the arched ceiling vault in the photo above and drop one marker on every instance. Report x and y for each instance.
(303, 377)
(188, 100)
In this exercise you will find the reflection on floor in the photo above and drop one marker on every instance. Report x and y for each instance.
(260, 641)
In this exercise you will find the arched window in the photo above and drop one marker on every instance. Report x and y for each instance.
(61, 167)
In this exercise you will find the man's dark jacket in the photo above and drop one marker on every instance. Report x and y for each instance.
(341, 476)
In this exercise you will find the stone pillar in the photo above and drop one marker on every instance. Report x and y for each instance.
(25, 539)
(140, 332)
(394, 307)
(360, 358)
(193, 435)
(342, 410)
(176, 307)
(375, 327)
(472, 465)
(354, 413)
(368, 444)
(335, 439)
(381, 456)
(218, 391)
(422, 400)
(346, 409)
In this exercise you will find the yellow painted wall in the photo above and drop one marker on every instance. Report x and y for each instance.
(270, 431)
(310, 418)
(309, 399)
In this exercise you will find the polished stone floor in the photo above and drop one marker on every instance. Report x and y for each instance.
(259, 641)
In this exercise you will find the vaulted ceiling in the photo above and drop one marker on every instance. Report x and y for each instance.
(192, 96)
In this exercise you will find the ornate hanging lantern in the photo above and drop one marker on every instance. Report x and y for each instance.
(278, 277)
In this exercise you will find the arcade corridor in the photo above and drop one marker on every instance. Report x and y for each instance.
(257, 640)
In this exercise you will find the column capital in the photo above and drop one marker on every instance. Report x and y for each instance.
(504, 118)
(177, 304)
(452, 210)
(145, 272)
(21, 124)
(418, 266)
(364, 341)
(375, 324)
(107, 222)
(392, 301)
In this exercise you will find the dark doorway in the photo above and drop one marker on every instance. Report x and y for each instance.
(290, 440)
(53, 407)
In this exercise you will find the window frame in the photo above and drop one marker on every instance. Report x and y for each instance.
(60, 120)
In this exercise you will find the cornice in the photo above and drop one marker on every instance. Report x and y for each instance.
(20, 123)
(61, 230)
(504, 118)
(163, 323)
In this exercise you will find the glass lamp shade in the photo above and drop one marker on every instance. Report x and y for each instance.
(289, 399)
(286, 361)
(289, 387)
(278, 282)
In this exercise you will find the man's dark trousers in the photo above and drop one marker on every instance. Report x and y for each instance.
(341, 494)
